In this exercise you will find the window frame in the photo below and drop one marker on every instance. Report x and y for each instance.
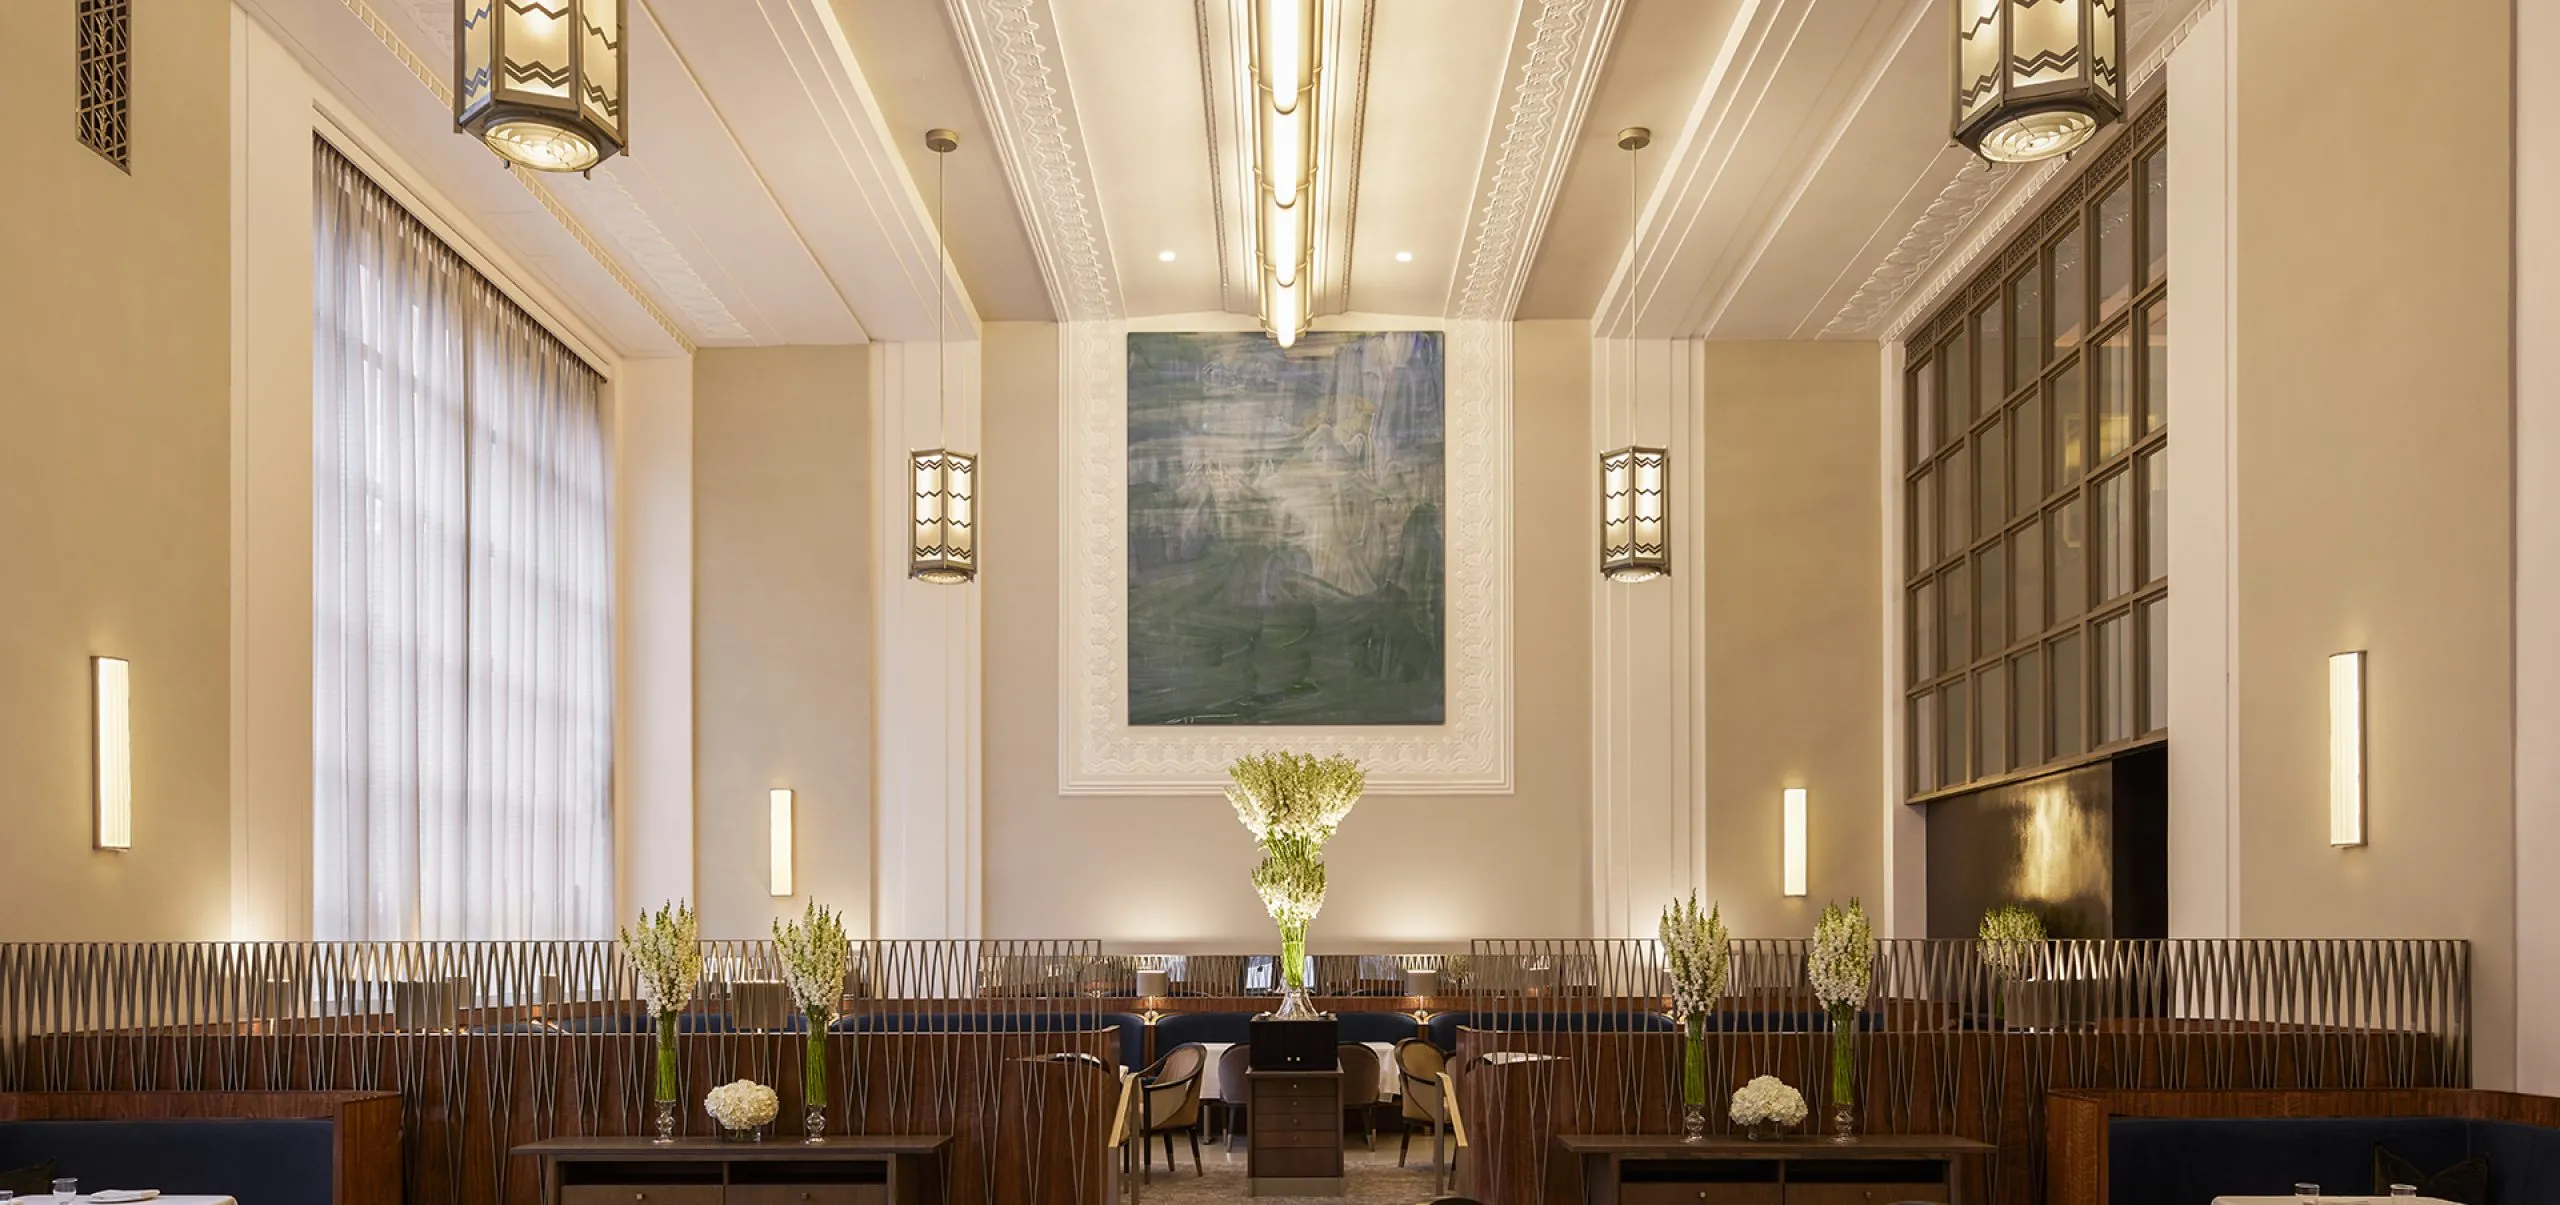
(1951, 766)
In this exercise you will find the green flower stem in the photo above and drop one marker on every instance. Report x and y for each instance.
(1293, 956)
(667, 1055)
(813, 1067)
(1844, 1052)
(1693, 1070)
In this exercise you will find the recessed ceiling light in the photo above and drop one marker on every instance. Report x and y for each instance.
(1165, 256)
(1404, 257)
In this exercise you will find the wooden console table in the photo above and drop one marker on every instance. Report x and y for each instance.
(845, 1170)
(1660, 1169)
(1294, 1135)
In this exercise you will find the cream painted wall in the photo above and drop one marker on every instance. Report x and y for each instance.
(782, 629)
(1407, 871)
(2371, 330)
(651, 405)
(1793, 657)
(115, 477)
(2537, 458)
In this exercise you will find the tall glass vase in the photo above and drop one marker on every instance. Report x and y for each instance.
(813, 1081)
(1693, 1080)
(666, 1095)
(1844, 1068)
(1295, 1004)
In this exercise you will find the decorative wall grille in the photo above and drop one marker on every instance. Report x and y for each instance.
(106, 78)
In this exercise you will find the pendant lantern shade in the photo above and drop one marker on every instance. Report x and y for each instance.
(542, 81)
(1634, 543)
(2036, 78)
(946, 517)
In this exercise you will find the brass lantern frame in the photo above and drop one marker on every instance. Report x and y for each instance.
(2093, 90)
(499, 80)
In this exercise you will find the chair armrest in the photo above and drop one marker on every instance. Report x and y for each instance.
(1128, 1109)
(1449, 1104)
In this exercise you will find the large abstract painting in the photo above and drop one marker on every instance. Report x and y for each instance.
(1285, 529)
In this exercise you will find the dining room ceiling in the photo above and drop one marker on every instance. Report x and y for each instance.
(777, 190)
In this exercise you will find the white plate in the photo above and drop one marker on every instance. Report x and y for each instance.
(119, 1196)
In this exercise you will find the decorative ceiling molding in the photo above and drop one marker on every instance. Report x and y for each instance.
(1209, 123)
(1017, 67)
(435, 83)
(1567, 45)
(1887, 306)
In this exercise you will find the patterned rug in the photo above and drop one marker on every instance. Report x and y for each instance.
(1368, 1176)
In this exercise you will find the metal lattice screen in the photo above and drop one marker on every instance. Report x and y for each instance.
(106, 78)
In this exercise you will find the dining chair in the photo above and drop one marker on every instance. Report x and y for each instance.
(1418, 1067)
(1234, 1088)
(1447, 1177)
(1360, 1075)
(1172, 1095)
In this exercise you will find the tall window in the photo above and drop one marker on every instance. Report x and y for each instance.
(461, 595)
(2036, 525)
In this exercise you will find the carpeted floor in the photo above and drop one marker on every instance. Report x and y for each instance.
(1369, 1176)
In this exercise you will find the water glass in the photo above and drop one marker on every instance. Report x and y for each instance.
(2307, 1193)
(66, 1190)
(2404, 1190)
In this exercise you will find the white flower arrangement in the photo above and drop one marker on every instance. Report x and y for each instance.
(666, 951)
(1842, 958)
(1767, 1098)
(2012, 940)
(742, 1105)
(1698, 953)
(1292, 803)
(815, 956)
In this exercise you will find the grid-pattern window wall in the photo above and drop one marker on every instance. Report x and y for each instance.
(2036, 412)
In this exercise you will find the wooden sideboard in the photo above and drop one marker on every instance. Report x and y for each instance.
(848, 1170)
(1294, 1139)
(1662, 1169)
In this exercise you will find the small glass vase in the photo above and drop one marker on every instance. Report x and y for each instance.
(741, 1134)
(666, 1078)
(1693, 1081)
(1295, 1003)
(813, 1083)
(1763, 1130)
(1844, 1065)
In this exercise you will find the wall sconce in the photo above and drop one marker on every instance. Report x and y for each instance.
(2346, 748)
(1795, 841)
(781, 798)
(111, 749)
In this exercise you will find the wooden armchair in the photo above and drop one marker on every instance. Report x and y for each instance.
(1170, 1103)
(1418, 1068)
(1360, 1075)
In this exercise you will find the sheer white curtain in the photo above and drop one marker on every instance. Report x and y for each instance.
(462, 596)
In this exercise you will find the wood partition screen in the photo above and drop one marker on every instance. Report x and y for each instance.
(2076, 1121)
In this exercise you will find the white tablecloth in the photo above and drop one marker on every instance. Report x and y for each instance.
(2331, 1198)
(1387, 1084)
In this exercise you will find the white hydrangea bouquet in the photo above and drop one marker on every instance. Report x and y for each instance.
(665, 950)
(1765, 1102)
(742, 1107)
(815, 955)
(1292, 803)
(1839, 969)
(1698, 953)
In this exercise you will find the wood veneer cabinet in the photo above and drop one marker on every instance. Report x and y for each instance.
(1294, 1146)
(1661, 1169)
(850, 1170)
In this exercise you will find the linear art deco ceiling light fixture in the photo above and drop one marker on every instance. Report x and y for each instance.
(2036, 78)
(1284, 101)
(542, 81)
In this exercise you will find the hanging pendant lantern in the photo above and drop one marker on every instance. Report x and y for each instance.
(1634, 541)
(2036, 78)
(945, 514)
(542, 81)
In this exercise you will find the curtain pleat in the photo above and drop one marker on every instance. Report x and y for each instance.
(462, 596)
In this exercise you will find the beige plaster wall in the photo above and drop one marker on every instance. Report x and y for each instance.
(115, 476)
(782, 629)
(1406, 872)
(2371, 337)
(1793, 650)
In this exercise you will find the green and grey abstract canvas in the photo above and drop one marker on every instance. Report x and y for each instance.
(1285, 529)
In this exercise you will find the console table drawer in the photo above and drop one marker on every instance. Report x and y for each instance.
(1702, 1194)
(808, 1194)
(1863, 1194)
(642, 1194)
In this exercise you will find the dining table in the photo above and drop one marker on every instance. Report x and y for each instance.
(2332, 1198)
(1387, 1079)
